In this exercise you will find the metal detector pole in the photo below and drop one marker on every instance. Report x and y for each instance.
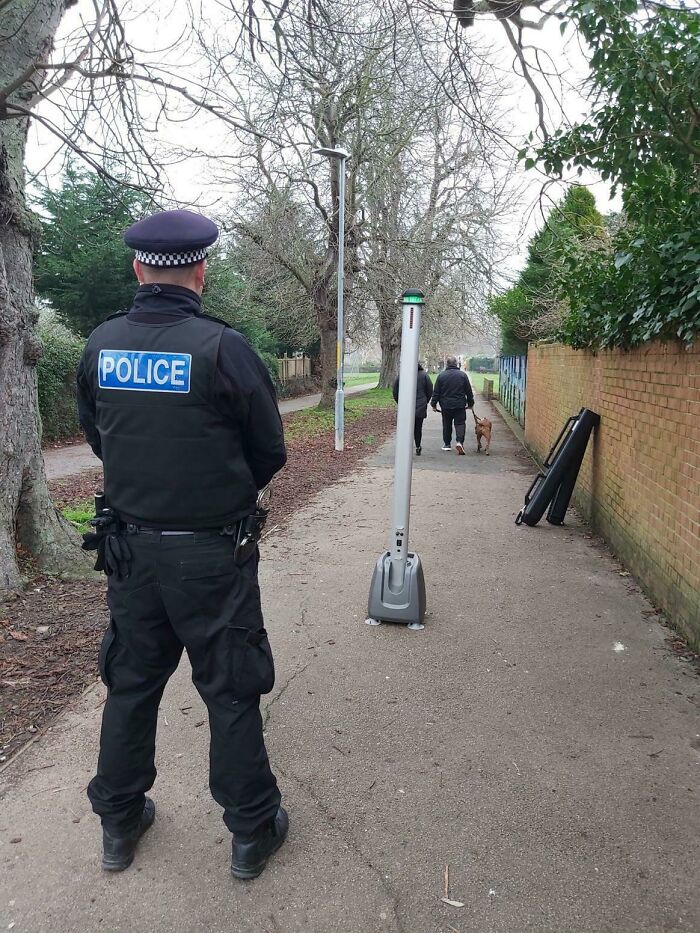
(403, 455)
(397, 590)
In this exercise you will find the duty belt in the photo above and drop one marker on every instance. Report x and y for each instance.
(114, 555)
(133, 528)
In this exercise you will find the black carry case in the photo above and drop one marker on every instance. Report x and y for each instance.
(554, 484)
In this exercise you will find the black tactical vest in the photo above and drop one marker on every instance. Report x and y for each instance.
(170, 458)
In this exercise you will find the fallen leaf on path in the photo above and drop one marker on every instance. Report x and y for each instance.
(446, 900)
(18, 636)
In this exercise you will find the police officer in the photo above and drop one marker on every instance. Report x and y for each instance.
(183, 414)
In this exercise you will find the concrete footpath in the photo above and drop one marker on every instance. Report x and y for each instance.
(77, 458)
(537, 737)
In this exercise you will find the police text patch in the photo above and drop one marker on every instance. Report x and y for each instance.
(143, 371)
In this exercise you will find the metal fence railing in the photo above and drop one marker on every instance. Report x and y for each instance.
(513, 383)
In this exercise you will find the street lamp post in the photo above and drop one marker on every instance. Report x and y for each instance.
(341, 156)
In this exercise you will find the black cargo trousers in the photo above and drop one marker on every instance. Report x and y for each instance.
(185, 591)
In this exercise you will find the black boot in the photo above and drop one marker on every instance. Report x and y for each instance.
(118, 851)
(249, 858)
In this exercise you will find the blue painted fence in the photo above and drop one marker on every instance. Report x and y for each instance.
(513, 381)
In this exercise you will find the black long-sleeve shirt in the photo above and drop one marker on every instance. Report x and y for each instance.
(243, 390)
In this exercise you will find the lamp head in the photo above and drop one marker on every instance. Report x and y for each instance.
(331, 153)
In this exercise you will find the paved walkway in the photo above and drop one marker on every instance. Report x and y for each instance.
(537, 737)
(67, 461)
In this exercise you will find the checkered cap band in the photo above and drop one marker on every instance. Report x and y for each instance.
(171, 259)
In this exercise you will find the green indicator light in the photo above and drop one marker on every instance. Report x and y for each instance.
(412, 300)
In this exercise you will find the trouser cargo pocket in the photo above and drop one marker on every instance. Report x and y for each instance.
(253, 669)
(106, 650)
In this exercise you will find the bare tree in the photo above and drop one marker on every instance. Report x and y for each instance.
(265, 269)
(95, 96)
(418, 202)
(433, 222)
(330, 87)
(27, 30)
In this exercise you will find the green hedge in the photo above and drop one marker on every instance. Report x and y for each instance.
(56, 376)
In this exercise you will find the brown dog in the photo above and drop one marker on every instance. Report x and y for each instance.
(482, 429)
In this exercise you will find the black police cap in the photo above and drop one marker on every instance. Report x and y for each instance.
(171, 238)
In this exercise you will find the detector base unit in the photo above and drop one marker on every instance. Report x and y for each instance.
(403, 603)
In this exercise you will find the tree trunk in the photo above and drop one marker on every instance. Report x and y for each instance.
(390, 342)
(27, 516)
(389, 370)
(329, 382)
(325, 304)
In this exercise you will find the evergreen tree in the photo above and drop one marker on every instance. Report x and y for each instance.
(82, 266)
(535, 306)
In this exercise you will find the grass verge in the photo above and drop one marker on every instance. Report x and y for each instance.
(360, 379)
(314, 421)
(79, 514)
(477, 381)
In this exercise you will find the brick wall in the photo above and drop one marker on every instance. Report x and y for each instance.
(639, 485)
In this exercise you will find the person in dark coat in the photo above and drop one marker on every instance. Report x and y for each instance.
(424, 388)
(453, 392)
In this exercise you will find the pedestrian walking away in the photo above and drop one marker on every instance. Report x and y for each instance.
(183, 414)
(424, 388)
(453, 393)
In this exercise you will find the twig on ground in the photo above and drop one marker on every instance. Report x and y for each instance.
(41, 768)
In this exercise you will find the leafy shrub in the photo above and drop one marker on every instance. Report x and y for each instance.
(56, 376)
(642, 133)
(535, 306)
(644, 285)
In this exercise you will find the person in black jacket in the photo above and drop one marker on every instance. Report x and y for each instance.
(424, 388)
(183, 414)
(453, 392)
